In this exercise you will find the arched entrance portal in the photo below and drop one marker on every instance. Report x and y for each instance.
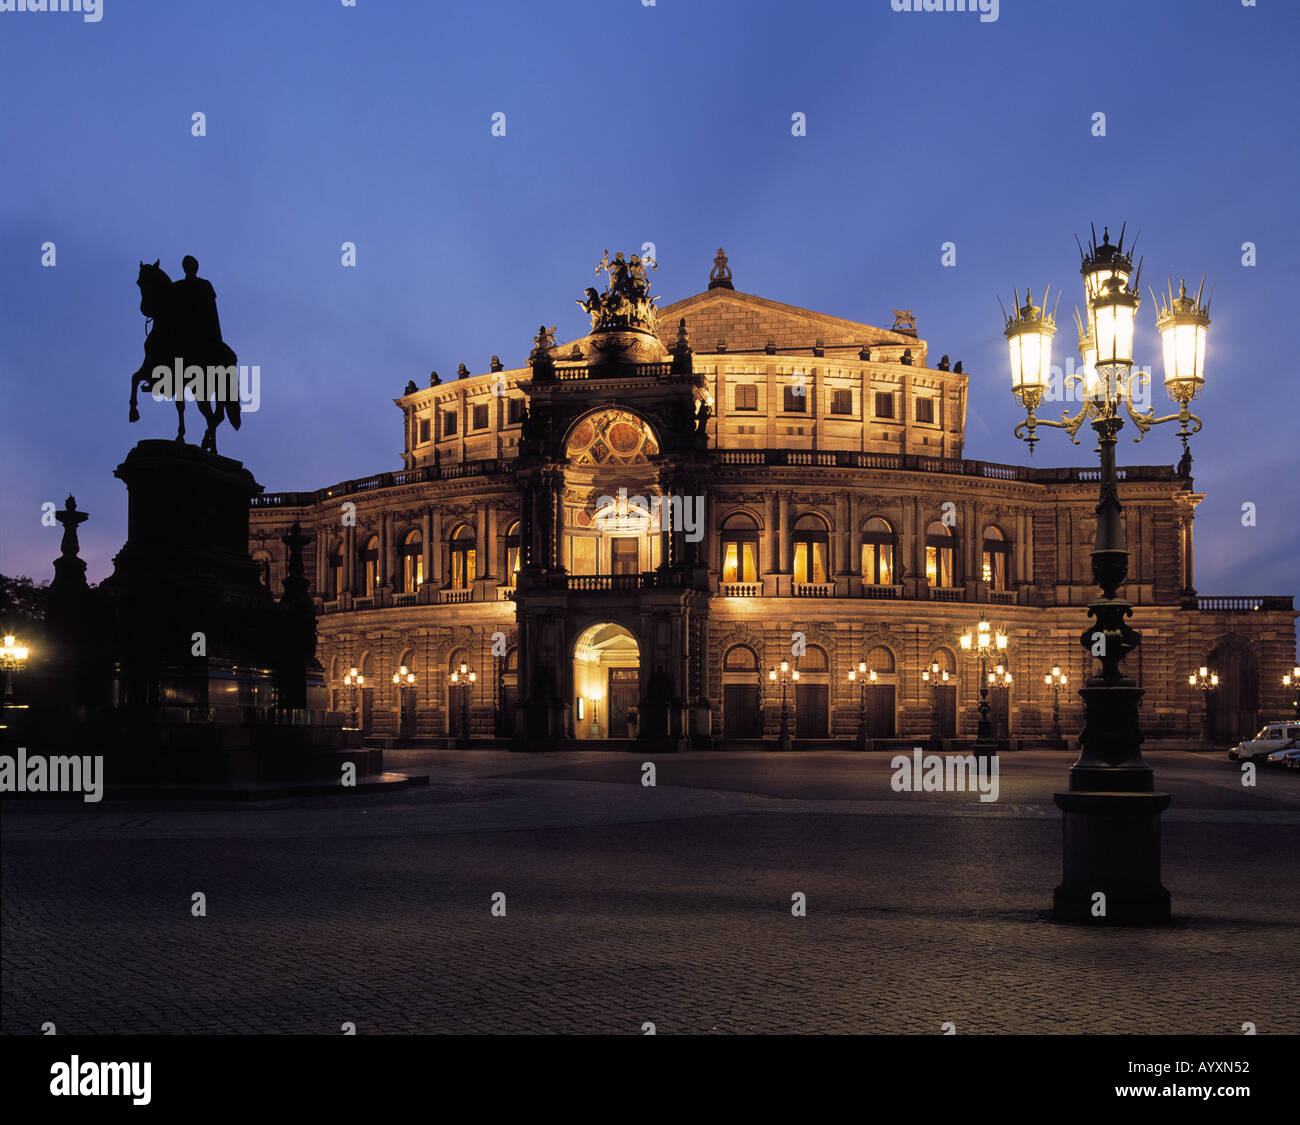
(606, 682)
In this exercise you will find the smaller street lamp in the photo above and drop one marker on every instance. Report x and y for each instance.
(12, 658)
(355, 680)
(403, 677)
(1056, 680)
(935, 677)
(982, 641)
(1204, 681)
(464, 677)
(862, 675)
(787, 676)
(1292, 680)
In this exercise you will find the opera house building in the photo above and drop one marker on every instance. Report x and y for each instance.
(698, 517)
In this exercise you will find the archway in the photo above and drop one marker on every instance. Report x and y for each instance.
(606, 682)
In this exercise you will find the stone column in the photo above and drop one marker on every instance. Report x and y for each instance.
(493, 543)
(783, 532)
(484, 565)
(426, 531)
(385, 548)
(350, 558)
(322, 558)
(435, 547)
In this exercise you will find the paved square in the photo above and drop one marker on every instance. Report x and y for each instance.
(627, 904)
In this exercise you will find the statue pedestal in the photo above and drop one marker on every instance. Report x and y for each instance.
(191, 624)
(204, 682)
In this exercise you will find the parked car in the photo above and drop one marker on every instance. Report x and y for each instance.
(1271, 738)
(1288, 755)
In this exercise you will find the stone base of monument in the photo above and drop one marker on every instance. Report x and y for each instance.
(194, 679)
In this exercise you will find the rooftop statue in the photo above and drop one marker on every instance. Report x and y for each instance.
(184, 334)
(626, 302)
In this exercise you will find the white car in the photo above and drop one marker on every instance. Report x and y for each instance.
(1271, 738)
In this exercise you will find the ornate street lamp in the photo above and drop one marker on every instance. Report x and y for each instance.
(1204, 681)
(464, 678)
(1056, 679)
(355, 681)
(1112, 812)
(787, 676)
(403, 677)
(980, 642)
(936, 677)
(863, 676)
(1292, 680)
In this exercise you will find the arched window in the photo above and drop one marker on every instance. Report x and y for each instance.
(997, 559)
(740, 658)
(369, 559)
(334, 569)
(881, 659)
(878, 550)
(812, 549)
(412, 562)
(739, 548)
(813, 659)
(945, 659)
(512, 552)
(464, 557)
(940, 551)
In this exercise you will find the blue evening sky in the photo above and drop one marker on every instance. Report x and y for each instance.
(627, 123)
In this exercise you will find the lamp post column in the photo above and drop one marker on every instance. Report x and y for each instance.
(1111, 813)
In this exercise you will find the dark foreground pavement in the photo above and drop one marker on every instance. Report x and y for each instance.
(627, 904)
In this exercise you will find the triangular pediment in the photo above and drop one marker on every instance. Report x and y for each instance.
(747, 322)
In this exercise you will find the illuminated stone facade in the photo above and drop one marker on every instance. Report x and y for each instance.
(823, 514)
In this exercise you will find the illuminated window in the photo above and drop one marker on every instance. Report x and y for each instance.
(412, 562)
(811, 550)
(740, 549)
(877, 553)
(369, 566)
(624, 555)
(512, 553)
(997, 560)
(464, 558)
(939, 555)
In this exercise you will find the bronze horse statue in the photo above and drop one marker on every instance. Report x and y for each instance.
(185, 333)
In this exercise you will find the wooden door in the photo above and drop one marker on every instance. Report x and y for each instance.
(810, 703)
(946, 704)
(880, 711)
(624, 694)
(740, 713)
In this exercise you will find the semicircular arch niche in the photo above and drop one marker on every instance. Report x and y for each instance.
(611, 437)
